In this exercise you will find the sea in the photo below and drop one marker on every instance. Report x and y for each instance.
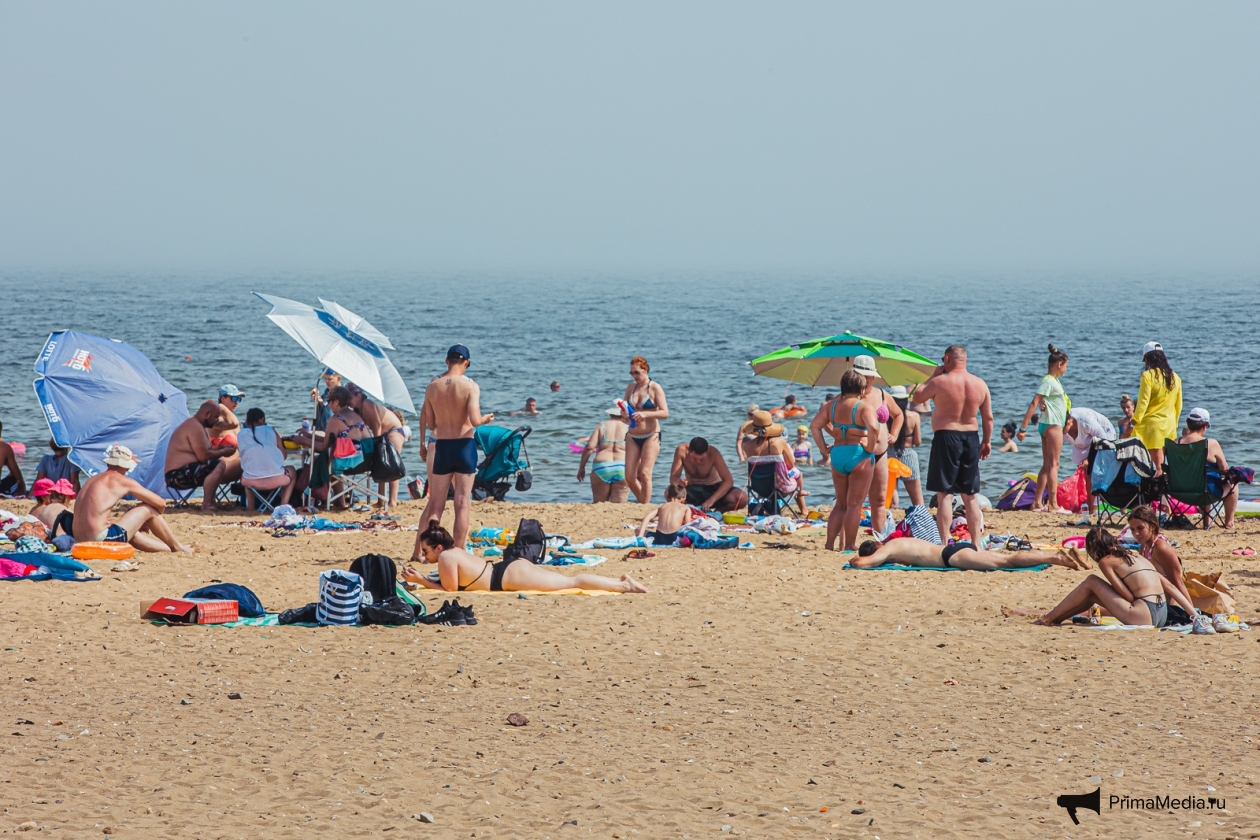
(698, 331)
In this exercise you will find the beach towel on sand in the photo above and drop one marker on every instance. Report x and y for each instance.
(897, 567)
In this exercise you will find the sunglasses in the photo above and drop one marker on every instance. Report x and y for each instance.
(236, 399)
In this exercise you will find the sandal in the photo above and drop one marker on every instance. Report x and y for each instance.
(639, 554)
(1245, 551)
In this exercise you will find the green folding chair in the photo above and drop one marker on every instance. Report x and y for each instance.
(1185, 466)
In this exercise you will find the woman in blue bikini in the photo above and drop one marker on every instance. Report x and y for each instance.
(643, 440)
(852, 457)
(608, 471)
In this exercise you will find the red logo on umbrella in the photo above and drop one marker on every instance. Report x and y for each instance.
(82, 360)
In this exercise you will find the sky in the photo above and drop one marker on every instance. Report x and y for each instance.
(629, 137)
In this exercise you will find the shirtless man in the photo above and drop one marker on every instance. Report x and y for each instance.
(14, 484)
(702, 470)
(452, 409)
(957, 446)
(1197, 423)
(142, 526)
(190, 459)
(909, 551)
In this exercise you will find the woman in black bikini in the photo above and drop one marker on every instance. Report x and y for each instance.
(460, 571)
(643, 440)
(1133, 590)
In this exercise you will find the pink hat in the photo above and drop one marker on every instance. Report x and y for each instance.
(64, 487)
(42, 487)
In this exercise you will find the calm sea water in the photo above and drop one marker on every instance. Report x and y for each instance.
(697, 330)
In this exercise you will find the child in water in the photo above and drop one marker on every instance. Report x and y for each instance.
(670, 517)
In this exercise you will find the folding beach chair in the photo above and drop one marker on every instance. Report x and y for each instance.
(182, 498)
(264, 500)
(1121, 478)
(764, 496)
(1185, 469)
(357, 480)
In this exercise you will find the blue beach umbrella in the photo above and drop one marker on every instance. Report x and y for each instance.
(96, 392)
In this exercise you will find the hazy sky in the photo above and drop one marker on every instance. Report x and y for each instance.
(638, 136)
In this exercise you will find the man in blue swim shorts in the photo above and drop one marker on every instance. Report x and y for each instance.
(452, 409)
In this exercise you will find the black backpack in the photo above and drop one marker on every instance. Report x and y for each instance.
(530, 543)
(380, 575)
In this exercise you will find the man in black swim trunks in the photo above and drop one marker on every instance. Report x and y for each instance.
(452, 409)
(909, 551)
(700, 467)
(958, 445)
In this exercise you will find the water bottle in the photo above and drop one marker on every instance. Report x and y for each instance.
(628, 409)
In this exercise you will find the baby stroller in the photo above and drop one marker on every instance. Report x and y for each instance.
(505, 459)
(1122, 477)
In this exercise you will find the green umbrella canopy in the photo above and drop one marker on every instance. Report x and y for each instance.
(822, 361)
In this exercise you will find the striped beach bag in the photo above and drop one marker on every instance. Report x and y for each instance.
(340, 593)
(921, 523)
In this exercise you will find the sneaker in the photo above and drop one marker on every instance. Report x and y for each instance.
(469, 618)
(1221, 623)
(1203, 626)
(432, 618)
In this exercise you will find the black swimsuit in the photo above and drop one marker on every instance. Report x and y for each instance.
(496, 574)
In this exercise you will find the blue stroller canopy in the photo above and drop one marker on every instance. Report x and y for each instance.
(502, 448)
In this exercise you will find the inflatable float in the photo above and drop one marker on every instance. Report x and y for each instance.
(102, 551)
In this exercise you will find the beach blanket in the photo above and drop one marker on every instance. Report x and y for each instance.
(273, 619)
(49, 566)
(1113, 623)
(561, 559)
(897, 567)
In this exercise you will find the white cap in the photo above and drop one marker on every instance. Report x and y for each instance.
(1151, 345)
(1199, 415)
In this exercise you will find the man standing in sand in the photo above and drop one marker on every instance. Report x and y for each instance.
(700, 467)
(957, 445)
(191, 461)
(142, 526)
(452, 409)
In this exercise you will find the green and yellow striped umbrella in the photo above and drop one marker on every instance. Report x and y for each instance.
(822, 361)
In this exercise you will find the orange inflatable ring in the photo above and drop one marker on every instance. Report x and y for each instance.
(102, 551)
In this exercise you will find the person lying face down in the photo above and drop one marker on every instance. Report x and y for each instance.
(909, 551)
(459, 571)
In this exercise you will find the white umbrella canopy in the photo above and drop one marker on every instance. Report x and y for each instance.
(357, 323)
(329, 339)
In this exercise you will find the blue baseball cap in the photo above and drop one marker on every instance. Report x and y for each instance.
(458, 351)
(230, 390)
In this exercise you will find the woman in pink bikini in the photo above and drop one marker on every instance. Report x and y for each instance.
(890, 418)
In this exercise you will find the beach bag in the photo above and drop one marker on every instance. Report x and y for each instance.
(248, 605)
(340, 593)
(1071, 494)
(379, 575)
(346, 454)
(530, 543)
(1019, 496)
(1209, 593)
(393, 611)
(921, 524)
(524, 481)
(387, 462)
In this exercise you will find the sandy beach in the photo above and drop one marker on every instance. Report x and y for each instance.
(759, 693)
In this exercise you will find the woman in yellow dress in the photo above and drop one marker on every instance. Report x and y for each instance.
(1158, 411)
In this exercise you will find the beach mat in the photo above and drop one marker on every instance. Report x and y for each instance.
(897, 567)
(273, 619)
(529, 592)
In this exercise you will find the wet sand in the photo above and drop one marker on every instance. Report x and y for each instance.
(760, 693)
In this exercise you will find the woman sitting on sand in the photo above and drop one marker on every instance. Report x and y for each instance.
(1144, 525)
(1133, 589)
(459, 571)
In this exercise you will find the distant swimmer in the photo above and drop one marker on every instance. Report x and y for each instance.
(530, 409)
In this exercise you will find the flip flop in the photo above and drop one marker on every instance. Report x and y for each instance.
(1245, 551)
(639, 554)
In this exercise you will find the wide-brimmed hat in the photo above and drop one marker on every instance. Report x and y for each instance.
(761, 423)
(42, 487)
(64, 487)
(865, 365)
(899, 392)
(120, 456)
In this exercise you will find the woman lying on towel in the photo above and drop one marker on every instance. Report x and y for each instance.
(1133, 590)
(459, 571)
(909, 551)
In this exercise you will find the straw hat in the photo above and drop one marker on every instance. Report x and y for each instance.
(761, 424)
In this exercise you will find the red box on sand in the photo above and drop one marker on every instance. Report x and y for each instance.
(193, 611)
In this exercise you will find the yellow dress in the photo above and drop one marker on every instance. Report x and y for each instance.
(1158, 409)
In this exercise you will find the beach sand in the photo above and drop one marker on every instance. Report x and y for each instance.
(760, 693)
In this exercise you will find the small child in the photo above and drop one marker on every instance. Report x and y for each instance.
(670, 517)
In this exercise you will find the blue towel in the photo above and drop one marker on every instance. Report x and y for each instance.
(897, 567)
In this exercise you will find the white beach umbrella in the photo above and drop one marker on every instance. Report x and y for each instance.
(357, 323)
(357, 358)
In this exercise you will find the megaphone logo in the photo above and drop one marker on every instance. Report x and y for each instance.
(1072, 801)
